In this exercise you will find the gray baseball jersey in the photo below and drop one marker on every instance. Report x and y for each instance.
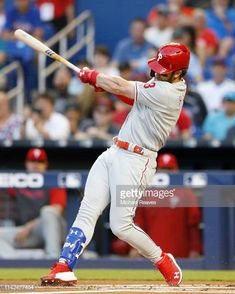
(155, 112)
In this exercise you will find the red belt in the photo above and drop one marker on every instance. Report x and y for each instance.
(128, 146)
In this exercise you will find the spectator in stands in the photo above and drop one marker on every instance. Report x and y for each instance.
(57, 13)
(160, 32)
(76, 87)
(45, 123)
(140, 69)
(133, 47)
(10, 124)
(183, 128)
(217, 124)
(102, 61)
(23, 15)
(61, 82)
(40, 221)
(3, 55)
(83, 92)
(221, 18)
(100, 127)
(171, 218)
(187, 36)
(213, 90)
(73, 115)
(180, 8)
(122, 109)
(196, 109)
(180, 14)
(207, 42)
(2, 15)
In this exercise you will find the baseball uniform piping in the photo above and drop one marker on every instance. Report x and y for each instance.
(136, 92)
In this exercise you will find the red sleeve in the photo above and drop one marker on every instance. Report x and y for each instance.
(184, 122)
(58, 196)
(11, 192)
(125, 99)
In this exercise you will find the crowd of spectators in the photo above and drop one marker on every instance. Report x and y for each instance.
(72, 110)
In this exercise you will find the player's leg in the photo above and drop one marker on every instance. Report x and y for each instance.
(96, 198)
(130, 172)
(52, 229)
(7, 242)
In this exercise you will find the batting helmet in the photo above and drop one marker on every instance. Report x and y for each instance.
(36, 154)
(167, 161)
(170, 57)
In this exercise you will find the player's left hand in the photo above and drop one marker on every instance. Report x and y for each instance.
(87, 75)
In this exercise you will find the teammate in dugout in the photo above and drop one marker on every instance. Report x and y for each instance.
(130, 161)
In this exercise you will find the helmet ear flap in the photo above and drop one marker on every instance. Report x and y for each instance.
(152, 73)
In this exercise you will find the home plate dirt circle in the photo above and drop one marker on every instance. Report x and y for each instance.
(119, 288)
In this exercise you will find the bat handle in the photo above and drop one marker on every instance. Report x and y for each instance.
(76, 69)
(65, 62)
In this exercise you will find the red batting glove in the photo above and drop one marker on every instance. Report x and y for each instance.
(89, 76)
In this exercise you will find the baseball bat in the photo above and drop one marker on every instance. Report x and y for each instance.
(40, 47)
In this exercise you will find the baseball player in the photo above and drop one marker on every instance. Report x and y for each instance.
(129, 162)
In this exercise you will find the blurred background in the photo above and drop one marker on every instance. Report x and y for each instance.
(53, 127)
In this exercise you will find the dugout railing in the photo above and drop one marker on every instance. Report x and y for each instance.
(17, 92)
(83, 29)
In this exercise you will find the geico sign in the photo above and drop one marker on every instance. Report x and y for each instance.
(21, 180)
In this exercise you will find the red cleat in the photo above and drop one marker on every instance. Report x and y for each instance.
(60, 275)
(169, 269)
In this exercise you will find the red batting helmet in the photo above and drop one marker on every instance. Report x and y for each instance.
(170, 57)
(36, 154)
(167, 161)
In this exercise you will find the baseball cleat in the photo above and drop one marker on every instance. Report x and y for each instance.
(170, 269)
(60, 275)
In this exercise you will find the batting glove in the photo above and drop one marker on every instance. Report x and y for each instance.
(89, 76)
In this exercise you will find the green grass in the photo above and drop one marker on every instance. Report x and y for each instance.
(111, 274)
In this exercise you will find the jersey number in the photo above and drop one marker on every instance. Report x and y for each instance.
(150, 85)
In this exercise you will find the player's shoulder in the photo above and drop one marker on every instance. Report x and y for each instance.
(156, 85)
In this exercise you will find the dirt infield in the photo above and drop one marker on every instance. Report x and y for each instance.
(83, 287)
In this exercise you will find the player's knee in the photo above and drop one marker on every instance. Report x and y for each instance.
(48, 210)
(119, 230)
